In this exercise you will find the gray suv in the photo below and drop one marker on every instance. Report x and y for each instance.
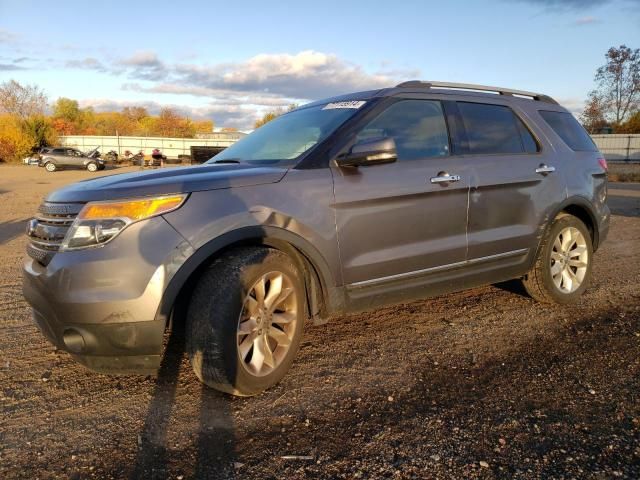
(341, 205)
(57, 158)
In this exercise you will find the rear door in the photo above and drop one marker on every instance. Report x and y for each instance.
(393, 222)
(59, 155)
(515, 183)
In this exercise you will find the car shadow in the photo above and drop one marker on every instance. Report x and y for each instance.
(513, 286)
(215, 446)
(622, 205)
(11, 229)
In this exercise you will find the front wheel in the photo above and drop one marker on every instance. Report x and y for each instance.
(245, 320)
(50, 167)
(92, 167)
(563, 269)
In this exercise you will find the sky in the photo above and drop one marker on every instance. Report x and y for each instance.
(233, 61)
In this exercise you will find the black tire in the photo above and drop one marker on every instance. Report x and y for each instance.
(539, 280)
(50, 167)
(214, 314)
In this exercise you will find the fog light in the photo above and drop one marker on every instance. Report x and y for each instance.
(73, 340)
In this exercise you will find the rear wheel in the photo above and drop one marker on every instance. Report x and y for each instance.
(245, 320)
(563, 269)
(50, 167)
(92, 167)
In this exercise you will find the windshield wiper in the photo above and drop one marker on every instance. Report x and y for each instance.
(228, 160)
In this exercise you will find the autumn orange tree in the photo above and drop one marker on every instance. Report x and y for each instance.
(23, 126)
(267, 117)
(70, 119)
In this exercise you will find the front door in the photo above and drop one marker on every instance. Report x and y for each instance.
(74, 158)
(401, 220)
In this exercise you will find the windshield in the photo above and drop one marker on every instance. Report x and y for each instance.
(287, 137)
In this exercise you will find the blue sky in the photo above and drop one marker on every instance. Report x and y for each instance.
(232, 61)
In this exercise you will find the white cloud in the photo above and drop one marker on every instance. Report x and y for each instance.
(7, 36)
(578, 4)
(88, 63)
(144, 65)
(574, 104)
(239, 92)
(586, 21)
(307, 74)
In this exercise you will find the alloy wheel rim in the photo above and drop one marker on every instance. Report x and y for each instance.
(267, 323)
(50, 167)
(569, 260)
(92, 167)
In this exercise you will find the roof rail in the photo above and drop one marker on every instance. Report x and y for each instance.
(481, 88)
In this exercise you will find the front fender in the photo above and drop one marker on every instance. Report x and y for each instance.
(250, 235)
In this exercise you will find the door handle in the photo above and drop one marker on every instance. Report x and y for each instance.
(444, 177)
(544, 169)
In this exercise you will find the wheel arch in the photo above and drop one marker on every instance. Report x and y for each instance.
(580, 208)
(317, 275)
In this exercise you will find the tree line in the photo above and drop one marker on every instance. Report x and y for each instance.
(28, 122)
(614, 104)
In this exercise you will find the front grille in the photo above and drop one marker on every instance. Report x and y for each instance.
(47, 230)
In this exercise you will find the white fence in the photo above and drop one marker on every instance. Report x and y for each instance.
(619, 147)
(171, 147)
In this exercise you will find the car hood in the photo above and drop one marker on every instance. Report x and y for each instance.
(167, 181)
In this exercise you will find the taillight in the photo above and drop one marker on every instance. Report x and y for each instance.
(603, 164)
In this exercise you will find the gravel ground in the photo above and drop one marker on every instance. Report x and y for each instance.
(480, 384)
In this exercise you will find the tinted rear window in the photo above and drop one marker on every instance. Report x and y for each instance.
(569, 130)
(495, 129)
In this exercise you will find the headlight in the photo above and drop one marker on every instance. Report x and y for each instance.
(99, 222)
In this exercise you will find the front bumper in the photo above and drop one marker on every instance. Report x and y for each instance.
(134, 347)
(101, 304)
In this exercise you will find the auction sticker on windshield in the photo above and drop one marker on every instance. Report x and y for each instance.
(350, 104)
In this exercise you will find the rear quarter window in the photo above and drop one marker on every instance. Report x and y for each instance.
(569, 130)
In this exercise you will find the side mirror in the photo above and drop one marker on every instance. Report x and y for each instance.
(373, 151)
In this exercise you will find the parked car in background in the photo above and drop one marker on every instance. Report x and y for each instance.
(341, 205)
(56, 158)
(31, 160)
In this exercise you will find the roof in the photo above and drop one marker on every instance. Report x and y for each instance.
(429, 84)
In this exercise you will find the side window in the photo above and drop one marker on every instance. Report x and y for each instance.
(417, 126)
(492, 129)
(58, 151)
(569, 130)
(528, 142)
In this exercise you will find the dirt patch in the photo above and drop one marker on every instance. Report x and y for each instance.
(624, 172)
(479, 384)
